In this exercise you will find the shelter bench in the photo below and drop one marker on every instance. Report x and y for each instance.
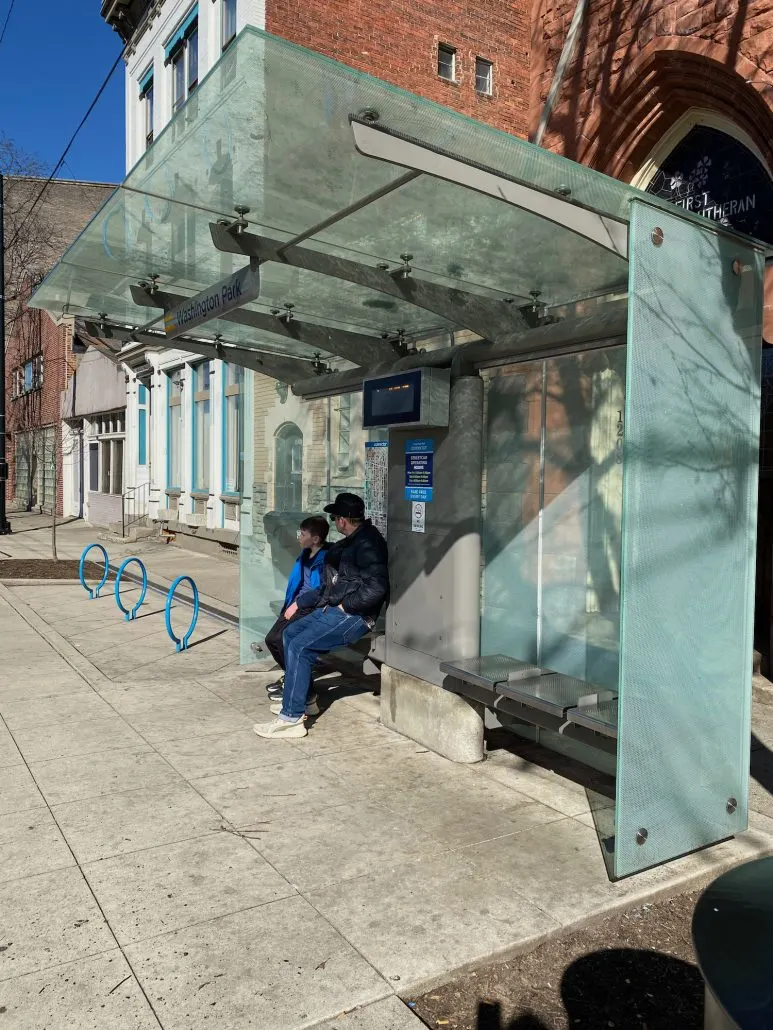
(529, 694)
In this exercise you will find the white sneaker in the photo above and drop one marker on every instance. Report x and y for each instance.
(312, 707)
(280, 728)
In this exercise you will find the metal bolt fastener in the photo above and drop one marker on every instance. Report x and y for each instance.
(641, 836)
(732, 804)
(657, 236)
(564, 191)
(368, 114)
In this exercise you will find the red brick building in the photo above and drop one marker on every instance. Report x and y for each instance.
(39, 351)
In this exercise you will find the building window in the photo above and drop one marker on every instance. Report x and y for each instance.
(446, 62)
(343, 451)
(234, 384)
(288, 468)
(146, 103)
(202, 426)
(106, 454)
(174, 430)
(142, 425)
(484, 76)
(29, 376)
(182, 52)
(94, 467)
(229, 22)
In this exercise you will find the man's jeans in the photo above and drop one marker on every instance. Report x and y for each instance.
(326, 629)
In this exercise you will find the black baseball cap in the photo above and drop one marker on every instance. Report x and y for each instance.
(347, 506)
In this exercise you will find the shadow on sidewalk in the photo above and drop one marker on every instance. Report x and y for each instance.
(623, 987)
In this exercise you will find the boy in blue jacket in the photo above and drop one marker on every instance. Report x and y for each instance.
(307, 574)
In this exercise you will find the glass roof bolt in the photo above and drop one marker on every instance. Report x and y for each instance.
(288, 313)
(241, 222)
(368, 114)
(154, 277)
(383, 266)
(405, 271)
(641, 836)
(657, 236)
(102, 320)
(563, 190)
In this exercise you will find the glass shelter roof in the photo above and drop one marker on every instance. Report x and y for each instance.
(375, 214)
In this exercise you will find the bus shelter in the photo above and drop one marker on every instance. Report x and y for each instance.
(555, 384)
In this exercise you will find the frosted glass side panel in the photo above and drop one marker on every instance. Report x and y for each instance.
(689, 536)
(581, 515)
(511, 502)
(552, 513)
(299, 455)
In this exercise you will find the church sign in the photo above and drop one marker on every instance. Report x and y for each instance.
(714, 175)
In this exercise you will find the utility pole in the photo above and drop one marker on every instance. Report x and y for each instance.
(5, 526)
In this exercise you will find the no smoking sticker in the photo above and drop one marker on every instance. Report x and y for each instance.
(418, 516)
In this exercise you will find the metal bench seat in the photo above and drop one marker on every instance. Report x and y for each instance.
(551, 692)
(601, 718)
(491, 670)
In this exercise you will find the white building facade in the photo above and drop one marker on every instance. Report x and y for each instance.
(184, 416)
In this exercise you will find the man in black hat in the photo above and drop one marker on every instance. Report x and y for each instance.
(345, 607)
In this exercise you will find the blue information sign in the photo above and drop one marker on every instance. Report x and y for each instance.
(419, 470)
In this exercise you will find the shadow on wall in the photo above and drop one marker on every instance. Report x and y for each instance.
(624, 988)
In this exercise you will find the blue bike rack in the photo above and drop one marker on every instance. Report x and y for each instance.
(182, 644)
(131, 613)
(93, 591)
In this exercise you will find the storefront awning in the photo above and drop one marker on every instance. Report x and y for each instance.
(377, 216)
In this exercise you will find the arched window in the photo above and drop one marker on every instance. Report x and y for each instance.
(288, 468)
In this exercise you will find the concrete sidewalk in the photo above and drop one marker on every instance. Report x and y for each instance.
(216, 578)
(163, 866)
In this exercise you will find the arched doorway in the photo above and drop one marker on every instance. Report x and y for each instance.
(288, 468)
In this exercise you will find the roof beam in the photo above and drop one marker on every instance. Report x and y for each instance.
(355, 347)
(487, 317)
(285, 370)
(609, 233)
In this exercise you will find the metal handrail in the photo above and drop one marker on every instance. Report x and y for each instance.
(134, 505)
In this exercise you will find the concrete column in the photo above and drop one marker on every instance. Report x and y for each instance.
(436, 617)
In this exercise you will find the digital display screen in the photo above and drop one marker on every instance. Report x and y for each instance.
(393, 400)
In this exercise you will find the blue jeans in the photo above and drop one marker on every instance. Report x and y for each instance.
(325, 629)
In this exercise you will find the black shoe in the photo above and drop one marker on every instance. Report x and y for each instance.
(276, 689)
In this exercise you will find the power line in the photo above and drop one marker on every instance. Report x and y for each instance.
(66, 150)
(7, 18)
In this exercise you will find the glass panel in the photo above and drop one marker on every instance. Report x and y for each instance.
(232, 442)
(229, 21)
(270, 129)
(511, 507)
(106, 459)
(192, 47)
(552, 514)
(117, 467)
(142, 437)
(93, 467)
(580, 581)
(178, 77)
(271, 511)
(691, 456)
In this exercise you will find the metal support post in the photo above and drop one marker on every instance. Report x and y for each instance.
(5, 526)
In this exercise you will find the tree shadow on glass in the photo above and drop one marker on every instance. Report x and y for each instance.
(622, 987)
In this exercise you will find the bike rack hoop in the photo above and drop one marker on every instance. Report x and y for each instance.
(131, 613)
(181, 643)
(93, 591)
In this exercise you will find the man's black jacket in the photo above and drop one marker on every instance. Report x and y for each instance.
(356, 575)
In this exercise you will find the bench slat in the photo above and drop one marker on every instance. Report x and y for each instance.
(490, 670)
(601, 718)
(552, 692)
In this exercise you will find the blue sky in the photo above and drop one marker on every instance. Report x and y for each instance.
(53, 60)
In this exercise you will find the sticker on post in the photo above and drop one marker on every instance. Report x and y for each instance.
(419, 470)
(418, 517)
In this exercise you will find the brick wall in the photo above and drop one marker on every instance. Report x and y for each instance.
(639, 66)
(34, 418)
(397, 40)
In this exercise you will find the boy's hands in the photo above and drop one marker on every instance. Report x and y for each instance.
(289, 612)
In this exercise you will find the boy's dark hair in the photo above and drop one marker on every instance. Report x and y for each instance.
(317, 526)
